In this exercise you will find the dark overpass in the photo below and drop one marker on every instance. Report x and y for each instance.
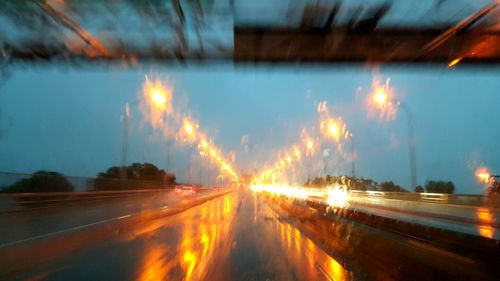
(176, 32)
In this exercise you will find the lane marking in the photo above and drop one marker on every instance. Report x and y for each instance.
(98, 222)
(63, 231)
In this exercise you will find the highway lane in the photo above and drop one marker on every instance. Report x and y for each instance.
(244, 236)
(223, 239)
(479, 220)
(21, 225)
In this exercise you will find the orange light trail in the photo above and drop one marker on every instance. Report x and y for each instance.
(158, 111)
(381, 100)
(454, 62)
(332, 129)
(484, 175)
(335, 196)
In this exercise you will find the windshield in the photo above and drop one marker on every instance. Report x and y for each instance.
(247, 140)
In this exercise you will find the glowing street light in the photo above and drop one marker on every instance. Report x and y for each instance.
(296, 152)
(380, 98)
(158, 95)
(310, 145)
(484, 177)
(204, 144)
(383, 98)
(189, 129)
(333, 130)
(158, 99)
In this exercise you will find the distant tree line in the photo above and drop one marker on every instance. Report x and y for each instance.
(435, 186)
(42, 181)
(351, 183)
(363, 184)
(135, 176)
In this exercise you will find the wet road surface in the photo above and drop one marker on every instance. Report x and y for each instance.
(245, 236)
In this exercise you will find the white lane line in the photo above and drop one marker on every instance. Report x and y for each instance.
(164, 208)
(123, 217)
(62, 231)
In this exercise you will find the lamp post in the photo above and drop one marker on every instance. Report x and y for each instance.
(309, 147)
(125, 119)
(190, 133)
(188, 178)
(411, 145)
(383, 99)
(169, 143)
(200, 159)
(353, 169)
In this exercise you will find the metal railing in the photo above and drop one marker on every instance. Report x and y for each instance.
(443, 198)
(85, 189)
(12, 202)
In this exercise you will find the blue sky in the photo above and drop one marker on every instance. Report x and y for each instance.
(68, 119)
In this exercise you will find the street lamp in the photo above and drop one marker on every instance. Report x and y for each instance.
(157, 99)
(486, 177)
(125, 119)
(310, 148)
(190, 150)
(353, 169)
(383, 99)
(190, 133)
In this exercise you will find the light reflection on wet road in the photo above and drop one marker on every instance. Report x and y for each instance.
(268, 248)
(243, 236)
(234, 237)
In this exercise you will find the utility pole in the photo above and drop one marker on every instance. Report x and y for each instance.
(169, 143)
(199, 163)
(188, 165)
(411, 147)
(353, 168)
(125, 119)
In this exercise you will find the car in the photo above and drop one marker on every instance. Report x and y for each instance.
(494, 189)
(186, 189)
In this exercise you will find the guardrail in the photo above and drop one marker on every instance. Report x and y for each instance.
(471, 214)
(443, 198)
(11, 202)
(63, 239)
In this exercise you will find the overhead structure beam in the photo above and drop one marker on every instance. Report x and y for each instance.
(77, 29)
(292, 46)
(342, 45)
(177, 32)
(464, 24)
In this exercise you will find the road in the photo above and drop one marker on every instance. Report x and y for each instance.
(240, 236)
(44, 219)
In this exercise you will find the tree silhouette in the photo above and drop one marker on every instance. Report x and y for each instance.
(42, 181)
(389, 186)
(439, 186)
(135, 176)
(419, 189)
